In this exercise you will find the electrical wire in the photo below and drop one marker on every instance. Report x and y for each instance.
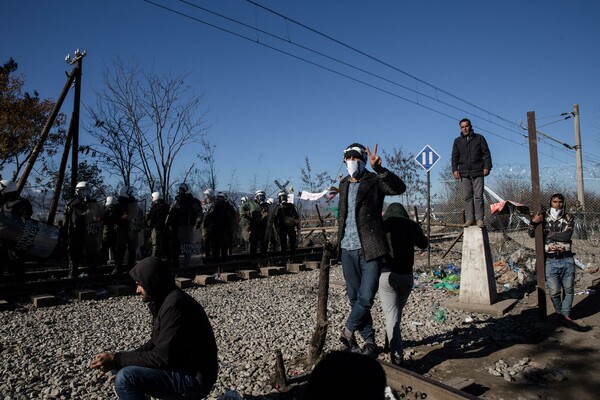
(357, 80)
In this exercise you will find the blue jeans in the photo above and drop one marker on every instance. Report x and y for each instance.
(362, 280)
(133, 383)
(393, 291)
(560, 275)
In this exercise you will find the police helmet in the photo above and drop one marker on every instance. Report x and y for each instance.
(244, 199)
(260, 195)
(82, 188)
(184, 188)
(282, 197)
(110, 200)
(270, 200)
(156, 196)
(7, 186)
(221, 196)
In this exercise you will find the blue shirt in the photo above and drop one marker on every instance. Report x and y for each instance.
(351, 240)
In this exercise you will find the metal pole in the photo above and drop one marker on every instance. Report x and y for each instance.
(428, 222)
(580, 191)
(537, 207)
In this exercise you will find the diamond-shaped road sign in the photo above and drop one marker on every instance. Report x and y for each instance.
(427, 158)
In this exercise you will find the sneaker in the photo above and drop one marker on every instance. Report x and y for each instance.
(468, 223)
(480, 223)
(348, 341)
(370, 350)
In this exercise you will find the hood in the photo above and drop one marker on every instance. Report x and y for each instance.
(395, 210)
(154, 276)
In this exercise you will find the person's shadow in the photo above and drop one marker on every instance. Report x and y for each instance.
(471, 341)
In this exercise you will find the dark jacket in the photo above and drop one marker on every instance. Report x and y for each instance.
(369, 205)
(182, 337)
(15, 204)
(557, 232)
(403, 234)
(157, 215)
(471, 155)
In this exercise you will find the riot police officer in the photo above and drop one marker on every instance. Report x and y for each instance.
(184, 222)
(286, 221)
(256, 212)
(84, 218)
(155, 220)
(207, 206)
(219, 224)
(129, 223)
(12, 205)
(109, 231)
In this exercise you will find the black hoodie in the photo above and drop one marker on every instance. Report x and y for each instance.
(182, 337)
(403, 235)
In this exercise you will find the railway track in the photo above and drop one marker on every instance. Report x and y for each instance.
(410, 385)
(53, 279)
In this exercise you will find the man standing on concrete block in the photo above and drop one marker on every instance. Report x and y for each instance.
(180, 359)
(471, 161)
(557, 228)
(361, 240)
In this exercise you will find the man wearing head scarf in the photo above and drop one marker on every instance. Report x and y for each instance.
(180, 359)
(361, 240)
(557, 228)
(396, 281)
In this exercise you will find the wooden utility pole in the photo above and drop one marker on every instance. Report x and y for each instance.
(77, 60)
(44, 135)
(537, 207)
(578, 155)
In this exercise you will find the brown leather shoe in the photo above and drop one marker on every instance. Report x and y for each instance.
(480, 223)
(468, 223)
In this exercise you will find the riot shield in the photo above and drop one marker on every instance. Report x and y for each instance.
(189, 240)
(94, 215)
(28, 235)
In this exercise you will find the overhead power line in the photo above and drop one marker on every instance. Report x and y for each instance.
(510, 126)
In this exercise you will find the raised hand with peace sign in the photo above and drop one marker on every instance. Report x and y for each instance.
(374, 159)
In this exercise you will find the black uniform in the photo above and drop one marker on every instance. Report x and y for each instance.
(12, 203)
(156, 220)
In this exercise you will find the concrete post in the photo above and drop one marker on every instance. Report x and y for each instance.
(477, 282)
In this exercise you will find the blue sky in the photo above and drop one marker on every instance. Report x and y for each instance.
(490, 61)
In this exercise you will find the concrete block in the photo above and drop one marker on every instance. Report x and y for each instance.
(84, 294)
(183, 283)
(313, 265)
(294, 268)
(44, 300)
(120, 290)
(205, 280)
(497, 309)
(272, 271)
(228, 276)
(477, 282)
(248, 274)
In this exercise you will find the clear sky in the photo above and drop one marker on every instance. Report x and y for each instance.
(491, 61)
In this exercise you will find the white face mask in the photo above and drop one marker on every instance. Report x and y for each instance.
(355, 167)
(556, 212)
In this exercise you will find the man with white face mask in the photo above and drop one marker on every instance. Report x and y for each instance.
(557, 228)
(361, 239)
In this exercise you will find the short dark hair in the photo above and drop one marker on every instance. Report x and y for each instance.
(465, 120)
(560, 196)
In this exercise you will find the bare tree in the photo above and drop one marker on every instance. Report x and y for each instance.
(314, 182)
(142, 122)
(405, 167)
